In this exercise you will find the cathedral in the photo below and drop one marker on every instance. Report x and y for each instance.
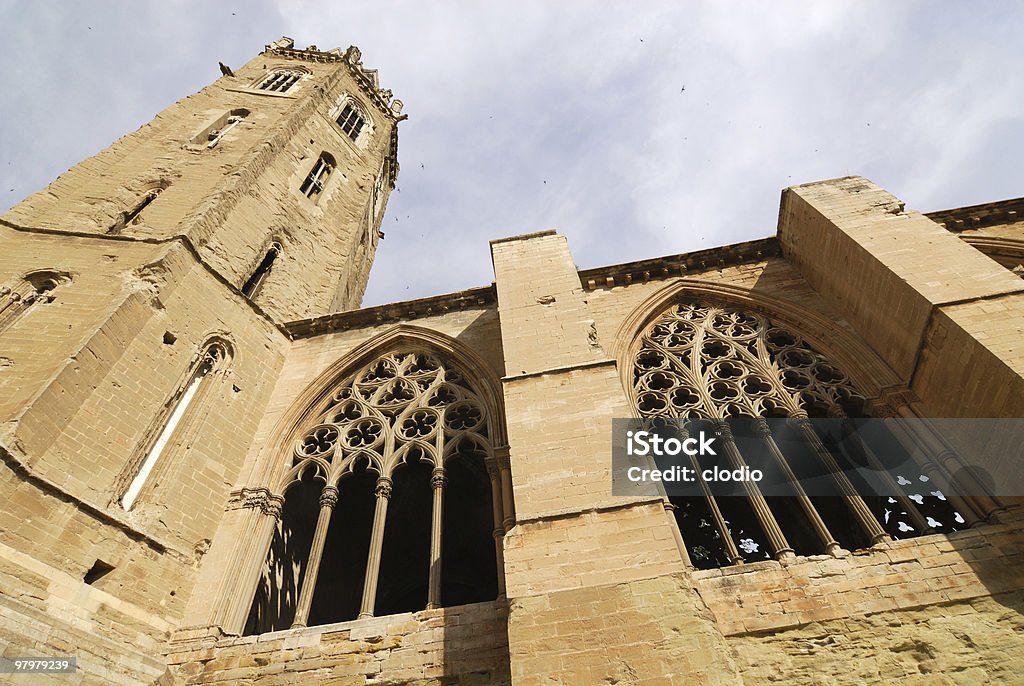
(217, 468)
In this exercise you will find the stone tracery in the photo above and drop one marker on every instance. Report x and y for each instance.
(703, 363)
(406, 430)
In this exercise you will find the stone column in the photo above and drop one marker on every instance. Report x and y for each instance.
(781, 548)
(497, 515)
(328, 499)
(507, 499)
(437, 483)
(383, 493)
(832, 546)
(860, 510)
(947, 458)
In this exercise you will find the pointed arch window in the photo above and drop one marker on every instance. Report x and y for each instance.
(259, 275)
(351, 120)
(392, 503)
(316, 180)
(31, 291)
(699, 364)
(186, 402)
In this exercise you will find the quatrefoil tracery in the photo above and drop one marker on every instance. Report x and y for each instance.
(402, 406)
(698, 361)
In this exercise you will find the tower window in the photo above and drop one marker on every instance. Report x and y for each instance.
(259, 275)
(33, 290)
(213, 135)
(314, 184)
(214, 358)
(132, 216)
(280, 81)
(351, 121)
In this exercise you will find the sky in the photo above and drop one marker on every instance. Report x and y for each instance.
(636, 129)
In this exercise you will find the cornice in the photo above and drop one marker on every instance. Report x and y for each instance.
(976, 216)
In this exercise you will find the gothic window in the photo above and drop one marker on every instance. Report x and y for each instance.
(314, 184)
(351, 120)
(391, 504)
(698, 364)
(259, 275)
(185, 403)
(280, 80)
(31, 291)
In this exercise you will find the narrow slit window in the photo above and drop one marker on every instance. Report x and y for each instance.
(280, 81)
(314, 184)
(213, 359)
(351, 121)
(133, 215)
(259, 275)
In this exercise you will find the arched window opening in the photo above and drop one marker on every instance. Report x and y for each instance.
(699, 364)
(32, 290)
(351, 120)
(280, 80)
(314, 184)
(286, 563)
(259, 275)
(411, 507)
(214, 358)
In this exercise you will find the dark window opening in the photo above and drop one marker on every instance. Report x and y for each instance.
(314, 184)
(98, 570)
(470, 573)
(405, 557)
(280, 81)
(273, 608)
(351, 121)
(259, 276)
(339, 587)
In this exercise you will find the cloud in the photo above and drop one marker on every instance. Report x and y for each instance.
(636, 130)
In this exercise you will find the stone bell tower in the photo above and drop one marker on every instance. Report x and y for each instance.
(276, 175)
(143, 298)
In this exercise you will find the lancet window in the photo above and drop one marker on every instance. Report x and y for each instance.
(214, 358)
(392, 503)
(351, 120)
(259, 275)
(31, 291)
(134, 215)
(699, 364)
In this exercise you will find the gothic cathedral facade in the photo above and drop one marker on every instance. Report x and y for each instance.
(217, 468)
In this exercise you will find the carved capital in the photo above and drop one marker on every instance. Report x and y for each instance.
(329, 496)
(501, 455)
(383, 489)
(762, 428)
(493, 470)
(438, 479)
(274, 506)
(257, 499)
